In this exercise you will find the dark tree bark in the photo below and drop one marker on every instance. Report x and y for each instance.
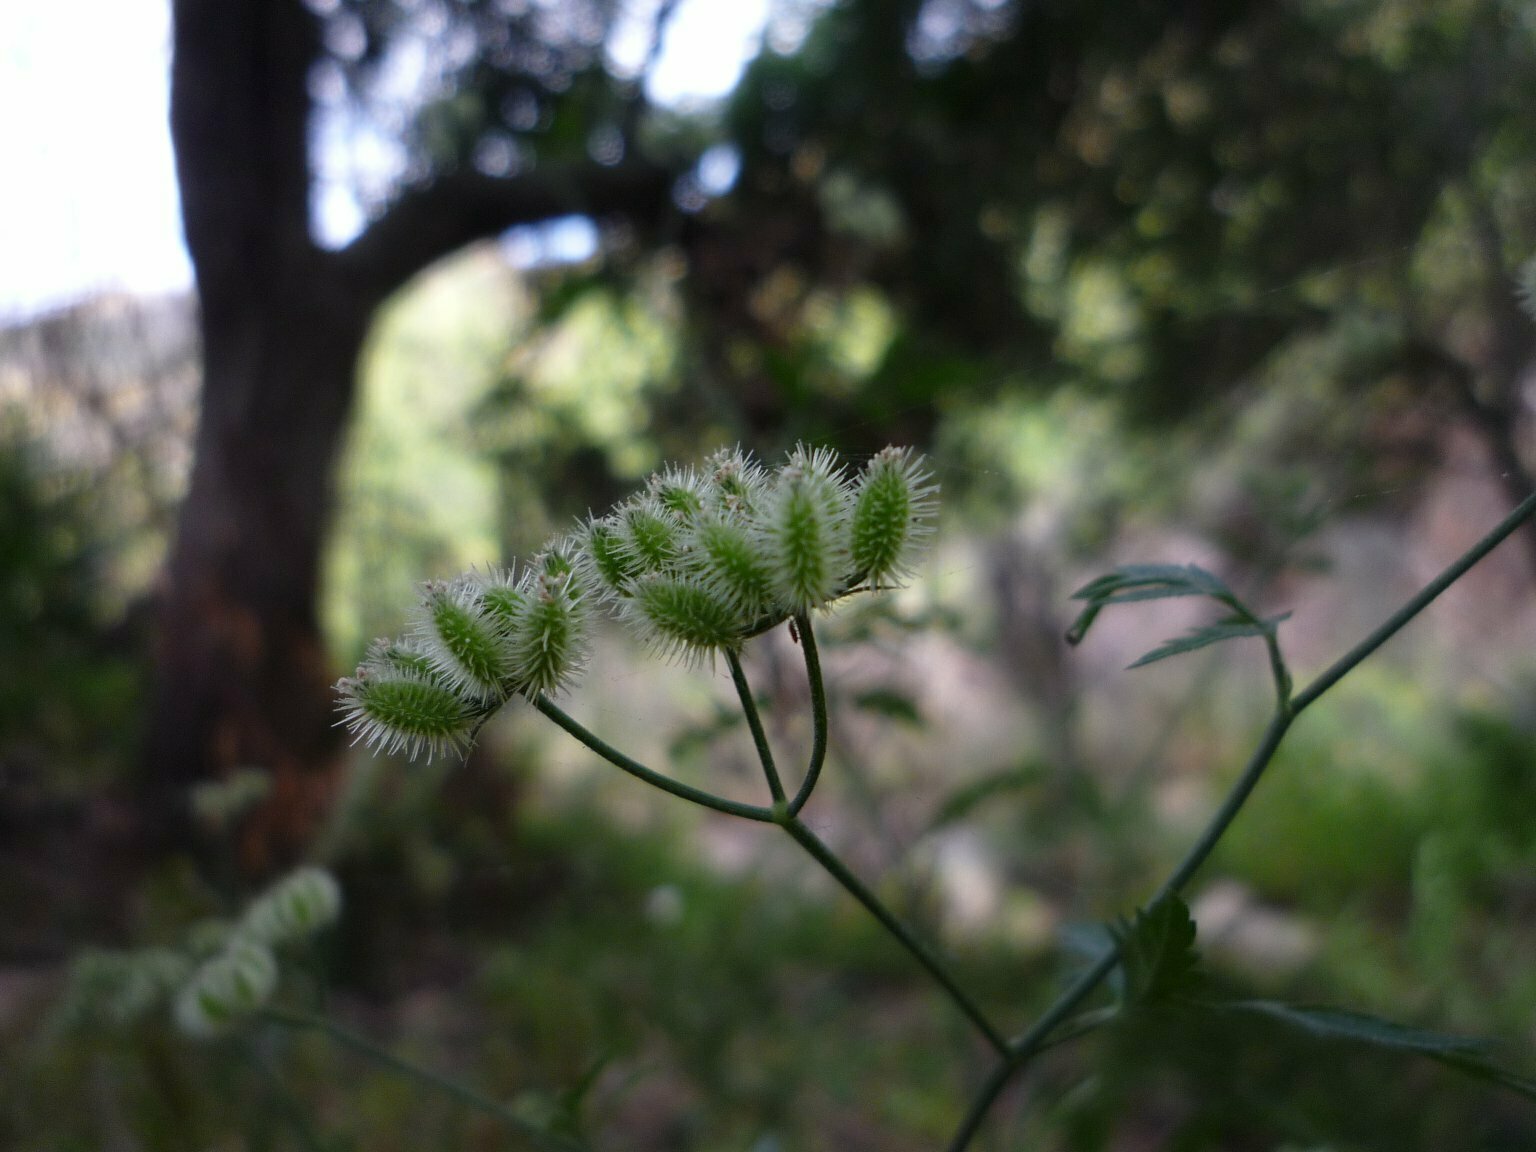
(242, 675)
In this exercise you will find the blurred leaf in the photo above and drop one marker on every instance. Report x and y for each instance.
(698, 737)
(1232, 628)
(1466, 1054)
(1157, 951)
(960, 803)
(891, 704)
(1133, 582)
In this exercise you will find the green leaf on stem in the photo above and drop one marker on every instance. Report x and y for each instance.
(1230, 628)
(1135, 582)
(1132, 582)
(1157, 954)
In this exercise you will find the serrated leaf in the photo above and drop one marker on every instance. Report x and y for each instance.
(1157, 952)
(1465, 1054)
(1232, 628)
(1131, 583)
(1153, 582)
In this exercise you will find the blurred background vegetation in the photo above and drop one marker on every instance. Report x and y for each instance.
(1237, 284)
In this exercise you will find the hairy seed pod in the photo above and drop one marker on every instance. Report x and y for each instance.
(681, 492)
(681, 619)
(892, 503)
(803, 527)
(404, 711)
(296, 906)
(549, 638)
(649, 534)
(603, 552)
(503, 596)
(232, 984)
(738, 481)
(724, 557)
(466, 647)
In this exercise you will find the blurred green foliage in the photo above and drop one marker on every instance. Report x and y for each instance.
(68, 688)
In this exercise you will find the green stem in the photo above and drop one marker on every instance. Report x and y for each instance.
(1236, 796)
(436, 1080)
(1278, 671)
(1026, 1047)
(1394, 623)
(641, 772)
(755, 724)
(920, 951)
(818, 713)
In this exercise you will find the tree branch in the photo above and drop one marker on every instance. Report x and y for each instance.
(433, 220)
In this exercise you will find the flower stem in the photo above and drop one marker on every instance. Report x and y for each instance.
(641, 772)
(818, 713)
(876, 908)
(755, 725)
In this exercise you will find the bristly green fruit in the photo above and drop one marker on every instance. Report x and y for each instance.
(296, 906)
(650, 535)
(803, 529)
(467, 649)
(682, 619)
(612, 567)
(549, 638)
(504, 597)
(233, 984)
(725, 559)
(892, 504)
(404, 711)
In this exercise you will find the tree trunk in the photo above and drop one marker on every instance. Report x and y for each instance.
(242, 675)
(241, 670)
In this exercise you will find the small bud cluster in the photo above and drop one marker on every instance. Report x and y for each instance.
(224, 972)
(698, 561)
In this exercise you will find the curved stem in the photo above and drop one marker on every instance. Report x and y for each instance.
(363, 1046)
(641, 772)
(1026, 1047)
(1278, 671)
(755, 724)
(818, 713)
(920, 951)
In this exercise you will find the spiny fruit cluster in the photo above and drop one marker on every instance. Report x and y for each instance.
(699, 561)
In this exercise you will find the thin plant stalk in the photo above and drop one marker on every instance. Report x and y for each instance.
(302, 1022)
(818, 713)
(924, 955)
(674, 787)
(834, 866)
(755, 725)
